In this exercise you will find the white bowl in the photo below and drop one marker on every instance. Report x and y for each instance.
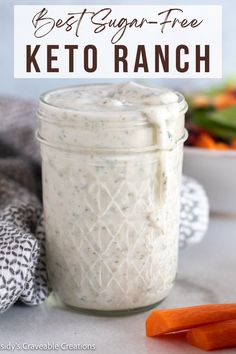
(216, 171)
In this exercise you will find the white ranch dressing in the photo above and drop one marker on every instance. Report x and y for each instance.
(105, 208)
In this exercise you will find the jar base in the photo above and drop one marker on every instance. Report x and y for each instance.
(114, 313)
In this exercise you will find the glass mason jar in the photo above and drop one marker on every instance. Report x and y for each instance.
(111, 192)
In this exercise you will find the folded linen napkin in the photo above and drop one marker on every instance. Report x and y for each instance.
(23, 273)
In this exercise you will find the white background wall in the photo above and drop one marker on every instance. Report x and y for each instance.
(33, 87)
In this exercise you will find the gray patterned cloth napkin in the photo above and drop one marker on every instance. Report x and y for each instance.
(23, 273)
(22, 251)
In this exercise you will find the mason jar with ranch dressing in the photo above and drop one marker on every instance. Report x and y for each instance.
(112, 160)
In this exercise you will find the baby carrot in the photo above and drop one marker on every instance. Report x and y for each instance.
(166, 321)
(205, 141)
(233, 144)
(224, 100)
(221, 146)
(201, 101)
(214, 336)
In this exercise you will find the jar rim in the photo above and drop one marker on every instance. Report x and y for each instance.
(99, 113)
(75, 148)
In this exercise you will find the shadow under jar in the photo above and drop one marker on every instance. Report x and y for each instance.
(111, 161)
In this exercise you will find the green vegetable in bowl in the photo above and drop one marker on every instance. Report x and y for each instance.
(221, 124)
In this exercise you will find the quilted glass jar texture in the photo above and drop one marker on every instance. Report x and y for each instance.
(111, 203)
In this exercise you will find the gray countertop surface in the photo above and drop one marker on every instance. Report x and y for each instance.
(207, 274)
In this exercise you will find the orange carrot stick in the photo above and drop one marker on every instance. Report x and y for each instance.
(214, 336)
(166, 321)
